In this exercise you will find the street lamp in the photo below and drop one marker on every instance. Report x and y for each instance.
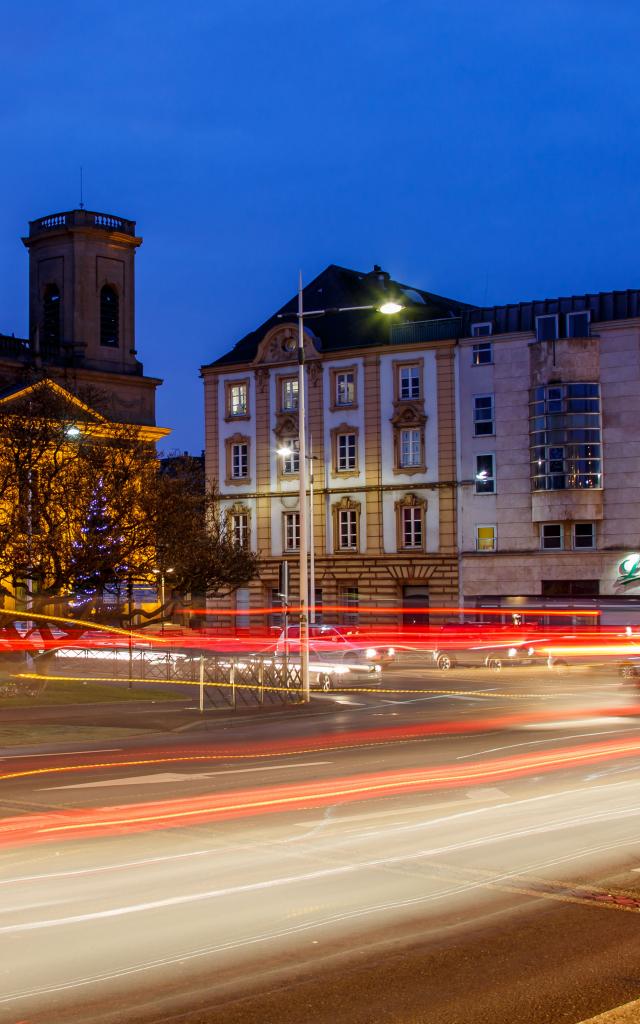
(388, 306)
(161, 573)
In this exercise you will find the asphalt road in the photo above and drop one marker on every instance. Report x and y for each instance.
(438, 857)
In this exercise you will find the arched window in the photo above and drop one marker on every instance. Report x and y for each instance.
(109, 316)
(51, 318)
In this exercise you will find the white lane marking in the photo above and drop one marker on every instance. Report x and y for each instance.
(63, 753)
(314, 876)
(136, 780)
(567, 723)
(536, 743)
(195, 954)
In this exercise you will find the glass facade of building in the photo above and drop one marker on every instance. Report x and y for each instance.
(565, 437)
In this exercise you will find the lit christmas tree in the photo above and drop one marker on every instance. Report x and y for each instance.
(97, 557)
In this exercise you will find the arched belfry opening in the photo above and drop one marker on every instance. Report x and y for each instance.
(109, 317)
(51, 317)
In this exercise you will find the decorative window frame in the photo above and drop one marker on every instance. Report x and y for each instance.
(398, 365)
(228, 415)
(411, 421)
(239, 510)
(344, 428)
(345, 504)
(280, 380)
(410, 501)
(289, 512)
(237, 481)
(334, 372)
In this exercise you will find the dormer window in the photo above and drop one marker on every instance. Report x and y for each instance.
(109, 317)
(51, 317)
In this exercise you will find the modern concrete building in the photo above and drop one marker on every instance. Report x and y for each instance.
(549, 431)
(381, 423)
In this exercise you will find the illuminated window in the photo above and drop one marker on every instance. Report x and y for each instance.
(485, 475)
(291, 462)
(485, 538)
(289, 394)
(240, 529)
(482, 353)
(345, 388)
(109, 317)
(237, 403)
(565, 437)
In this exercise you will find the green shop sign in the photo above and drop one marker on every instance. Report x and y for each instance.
(629, 570)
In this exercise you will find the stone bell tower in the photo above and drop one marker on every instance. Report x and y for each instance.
(81, 290)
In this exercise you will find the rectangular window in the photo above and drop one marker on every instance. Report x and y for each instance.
(412, 526)
(547, 327)
(482, 330)
(240, 529)
(237, 399)
(485, 475)
(565, 439)
(289, 394)
(409, 381)
(240, 460)
(482, 353)
(551, 537)
(318, 606)
(483, 415)
(243, 600)
(346, 452)
(584, 535)
(410, 448)
(347, 529)
(276, 618)
(292, 531)
(570, 588)
(291, 462)
(485, 538)
(345, 388)
(578, 324)
(349, 599)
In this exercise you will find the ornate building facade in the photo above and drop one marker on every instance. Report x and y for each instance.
(381, 427)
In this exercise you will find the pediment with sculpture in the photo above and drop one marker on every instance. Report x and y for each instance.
(408, 414)
(280, 345)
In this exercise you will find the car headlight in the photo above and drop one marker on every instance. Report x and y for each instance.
(377, 668)
(512, 652)
(370, 652)
(530, 652)
(391, 652)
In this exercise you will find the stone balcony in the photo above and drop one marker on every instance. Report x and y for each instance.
(81, 219)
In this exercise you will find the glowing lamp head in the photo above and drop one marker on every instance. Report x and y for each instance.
(72, 431)
(389, 308)
(285, 451)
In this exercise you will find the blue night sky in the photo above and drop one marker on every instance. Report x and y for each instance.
(484, 150)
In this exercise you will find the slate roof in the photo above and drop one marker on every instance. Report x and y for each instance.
(337, 287)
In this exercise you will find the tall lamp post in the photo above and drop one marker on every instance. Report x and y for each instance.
(388, 306)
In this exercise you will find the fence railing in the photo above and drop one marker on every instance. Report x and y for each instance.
(224, 681)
